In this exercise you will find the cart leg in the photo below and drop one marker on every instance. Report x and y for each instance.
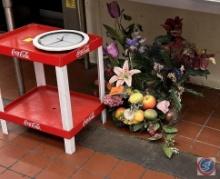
(70, 146)
(39, 74)
(3, 123)
(100, 64)
(65, 106)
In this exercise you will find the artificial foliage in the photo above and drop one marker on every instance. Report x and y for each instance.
(146, 80)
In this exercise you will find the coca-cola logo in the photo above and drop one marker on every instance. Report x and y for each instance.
(32, 125)
(20, 54)
(82, 51)
(91, 116)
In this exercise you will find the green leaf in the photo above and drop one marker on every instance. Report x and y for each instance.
(130, 29)
(114, 34)
(168, 151)
(175, 99)
(170, 129)
(136, 127)
(161, 40)
(156, 126)
(166, 58)
(127, 17)
(191, 91)
(157, 136)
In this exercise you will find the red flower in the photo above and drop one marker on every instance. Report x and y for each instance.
(202, 60)
(173, 26)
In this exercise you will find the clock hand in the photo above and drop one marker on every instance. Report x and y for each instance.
(59, 40)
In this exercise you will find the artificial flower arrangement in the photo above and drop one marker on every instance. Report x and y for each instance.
(146, 81)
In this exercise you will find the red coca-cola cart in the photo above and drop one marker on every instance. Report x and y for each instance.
(54, 110)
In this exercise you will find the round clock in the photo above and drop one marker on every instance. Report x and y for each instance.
(60, 40)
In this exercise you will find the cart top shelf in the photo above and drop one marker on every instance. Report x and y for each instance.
(18, 43)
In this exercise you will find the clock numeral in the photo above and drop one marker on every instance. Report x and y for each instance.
(82, 51)
(20, 54)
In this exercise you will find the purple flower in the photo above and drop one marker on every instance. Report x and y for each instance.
(112, 50)
(113, 101)
(132, 42)
(114, 9)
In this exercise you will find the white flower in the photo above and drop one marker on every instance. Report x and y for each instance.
(123, 75)
(212, 59)
(172, 76)
(158, 67)
(163, 106)
(182, 69)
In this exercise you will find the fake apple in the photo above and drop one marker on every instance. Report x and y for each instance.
(136, 98)
(149, 102)
(150, 114)
(139, 116)
(119, 112)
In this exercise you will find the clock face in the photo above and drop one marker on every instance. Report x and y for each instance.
(60, 40)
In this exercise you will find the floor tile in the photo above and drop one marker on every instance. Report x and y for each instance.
(45, 174)
(214, 121)
(150, 174)
(2, 169)
(210, 136)
(11, 153)
(11, 175)
(196, 115)
(82, 174)
(183, 143)
(26, 140)
(65, 165)
(31, 164)
(188, 129)
(204, 150)
(100, 164)
(127, 170)
(2, 143)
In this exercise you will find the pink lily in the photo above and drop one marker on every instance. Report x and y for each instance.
(123, 75)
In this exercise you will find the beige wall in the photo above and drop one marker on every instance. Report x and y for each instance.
(202, 29)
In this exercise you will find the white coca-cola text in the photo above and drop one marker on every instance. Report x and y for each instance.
(32, 125)
(20, 54)
(91, 116)
(82, 51)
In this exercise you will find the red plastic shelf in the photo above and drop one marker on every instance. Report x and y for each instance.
(15, 44)
(39, 109)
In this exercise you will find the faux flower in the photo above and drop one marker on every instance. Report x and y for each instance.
(132, 43)
(173, 26)
(113, 101)
(158, 67)
(117, 90)
(123, 75)
(203, 59)
(163, 106)
(114, 9)
(112, 50)
(172, 76)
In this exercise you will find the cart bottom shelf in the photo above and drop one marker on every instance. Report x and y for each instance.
(40, 109)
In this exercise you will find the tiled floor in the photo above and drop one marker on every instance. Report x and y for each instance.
(199, 126)
(29, 155)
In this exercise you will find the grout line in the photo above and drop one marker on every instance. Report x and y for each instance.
(83, 164)
(203, 126)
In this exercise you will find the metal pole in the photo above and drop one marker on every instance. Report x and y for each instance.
(82, 25)
(7, 4)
